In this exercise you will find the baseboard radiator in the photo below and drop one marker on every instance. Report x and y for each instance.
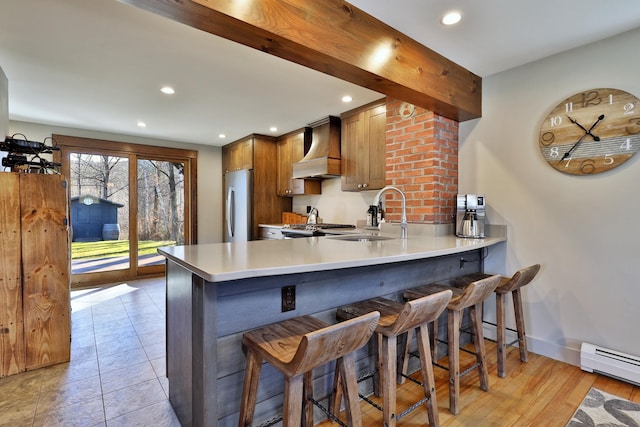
(608, 362)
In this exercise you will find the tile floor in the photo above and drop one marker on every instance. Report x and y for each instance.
(116, 376)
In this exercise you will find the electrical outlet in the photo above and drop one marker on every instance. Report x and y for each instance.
(288, 298)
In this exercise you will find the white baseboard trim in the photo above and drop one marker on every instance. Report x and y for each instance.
(543, 348)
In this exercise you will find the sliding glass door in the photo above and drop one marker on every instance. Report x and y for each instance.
(126, 200)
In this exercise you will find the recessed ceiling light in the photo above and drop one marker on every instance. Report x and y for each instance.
(451, 18)
(273, 129)
(168, 90)
(347, 98)
(222, 136)
(142, 124)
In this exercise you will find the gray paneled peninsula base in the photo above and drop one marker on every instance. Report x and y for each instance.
(215, 292)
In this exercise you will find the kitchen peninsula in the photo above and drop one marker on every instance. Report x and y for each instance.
(215, 292)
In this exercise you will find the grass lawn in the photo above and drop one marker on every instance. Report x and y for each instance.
(114, 248)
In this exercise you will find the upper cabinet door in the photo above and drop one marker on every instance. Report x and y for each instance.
(238, 155)
(284, 167)
(377, 135)
(363, 148)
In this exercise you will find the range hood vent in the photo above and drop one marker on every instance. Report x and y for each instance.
(323, 158)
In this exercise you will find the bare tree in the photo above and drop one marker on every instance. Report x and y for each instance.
(159, 187)
(96, 172)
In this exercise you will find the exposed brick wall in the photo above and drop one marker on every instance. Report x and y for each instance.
(422, 161)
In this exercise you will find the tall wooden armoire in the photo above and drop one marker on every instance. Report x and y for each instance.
(35, 326)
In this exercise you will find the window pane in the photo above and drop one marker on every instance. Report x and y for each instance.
(160, 208)
(99, 188)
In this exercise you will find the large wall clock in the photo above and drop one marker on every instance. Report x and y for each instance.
(591, 132)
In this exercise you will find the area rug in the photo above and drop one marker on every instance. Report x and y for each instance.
(603, 409)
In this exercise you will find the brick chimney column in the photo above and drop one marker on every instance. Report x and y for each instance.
(422, 161)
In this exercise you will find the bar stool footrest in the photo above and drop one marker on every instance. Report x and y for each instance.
(327, 412)
(271, 421)
(412, 407)
(366, 376)
(370, 402)
(413, 380)
(469, 369)
(509, 344)
(446, 368)
(463, 373)
(401, 414)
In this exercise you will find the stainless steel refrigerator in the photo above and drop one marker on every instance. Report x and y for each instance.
(238, 190)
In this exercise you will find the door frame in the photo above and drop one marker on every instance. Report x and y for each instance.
(70, 144)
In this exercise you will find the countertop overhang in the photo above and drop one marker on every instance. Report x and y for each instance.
(219, 262)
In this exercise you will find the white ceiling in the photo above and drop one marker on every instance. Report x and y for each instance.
(99, 64)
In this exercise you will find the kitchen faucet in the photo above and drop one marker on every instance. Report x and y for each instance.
(403, 220)
(313, 216)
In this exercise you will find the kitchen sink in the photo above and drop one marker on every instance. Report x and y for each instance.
(360, 237)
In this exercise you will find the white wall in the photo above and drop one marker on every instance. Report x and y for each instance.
(336, 206)
(209, 170)
(582, 229)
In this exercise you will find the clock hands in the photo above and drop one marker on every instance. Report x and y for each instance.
(586, 132)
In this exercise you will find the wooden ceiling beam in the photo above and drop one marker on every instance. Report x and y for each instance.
(336, 38)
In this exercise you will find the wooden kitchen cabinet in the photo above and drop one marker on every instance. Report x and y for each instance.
(35, 328)
(363, 148)
(238, 155)
(259, 153)
(291, 149)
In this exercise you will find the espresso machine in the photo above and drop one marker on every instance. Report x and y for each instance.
(470, 215)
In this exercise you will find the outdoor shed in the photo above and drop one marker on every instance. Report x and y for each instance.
(94, 218)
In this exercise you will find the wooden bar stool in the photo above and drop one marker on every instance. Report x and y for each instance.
(508, 285)
(396, 319)
(295, 347)
(472, 297)
(512, 285)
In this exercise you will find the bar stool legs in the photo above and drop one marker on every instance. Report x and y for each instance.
(454, 319)
(429, 382)
(470, 297)
(512, 285)
(397, 319)
(295, 347)
(508, 285)
(250, 388)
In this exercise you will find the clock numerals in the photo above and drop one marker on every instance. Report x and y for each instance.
(634, 127)
(592, 98)
(626, 145)
(586, 166)
(547, 138)
(628, 108)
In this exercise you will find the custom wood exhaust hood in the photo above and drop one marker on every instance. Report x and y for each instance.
(323, 158)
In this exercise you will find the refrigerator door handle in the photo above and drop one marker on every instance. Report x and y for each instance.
(230, 211)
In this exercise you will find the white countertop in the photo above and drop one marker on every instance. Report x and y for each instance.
(217, 262)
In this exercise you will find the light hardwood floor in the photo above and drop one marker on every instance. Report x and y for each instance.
(541, 392)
